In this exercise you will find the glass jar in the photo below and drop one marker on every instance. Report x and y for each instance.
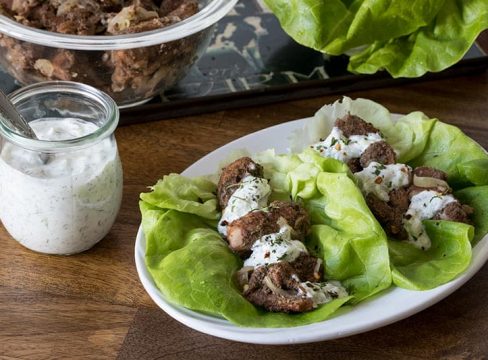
(60, 194)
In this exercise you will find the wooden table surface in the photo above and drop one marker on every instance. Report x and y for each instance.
(92, 305)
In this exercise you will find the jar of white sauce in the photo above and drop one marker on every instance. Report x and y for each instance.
(60, 194)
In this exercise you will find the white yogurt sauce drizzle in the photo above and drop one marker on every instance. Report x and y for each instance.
(273, 248)
(339, 147)
(424, 205)
(251, 194)
(68, 204)
(380, 179)
(279, 246)
(324, 292)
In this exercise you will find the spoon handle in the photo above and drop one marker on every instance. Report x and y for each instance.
(12, 116)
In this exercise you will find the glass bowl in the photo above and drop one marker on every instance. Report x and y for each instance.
(131, 68)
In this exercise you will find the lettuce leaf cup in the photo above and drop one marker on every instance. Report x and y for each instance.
(421, 141)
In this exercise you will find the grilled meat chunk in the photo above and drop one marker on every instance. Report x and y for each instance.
(179, 8)
(243, 232)
(381, 152)
(355, 165)
(354, 125)
(276, 288)
(389, 216)
(232, 174)
(455, 211)
(308, 267)
(399, 199)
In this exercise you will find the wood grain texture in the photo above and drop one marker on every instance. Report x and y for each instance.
(92, 306)
(455, 328)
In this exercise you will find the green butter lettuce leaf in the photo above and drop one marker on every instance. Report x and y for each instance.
(477, 198)
(348, 237)
(450, 150)
(474, 171)
(193, 267)
(449, 256)
(335, 26)
(433, 48)
(410, 135)
(296, 175)
(405, 38)
(193, 196)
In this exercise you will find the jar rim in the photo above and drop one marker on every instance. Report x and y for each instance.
(204, 18)
(67, 87)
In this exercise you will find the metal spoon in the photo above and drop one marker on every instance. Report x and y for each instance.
(9, 114)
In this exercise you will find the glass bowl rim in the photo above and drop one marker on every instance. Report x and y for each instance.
(206, 17)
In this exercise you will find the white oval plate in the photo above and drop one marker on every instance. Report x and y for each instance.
(391, 305)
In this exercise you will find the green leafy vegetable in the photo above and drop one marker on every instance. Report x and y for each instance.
(477, 198)
(418, 141)
(193, 196)
(194, 267)
(450, 150)
(431, 48)
(407, 38)
(348, 237)
(449, 255)
(474, 171)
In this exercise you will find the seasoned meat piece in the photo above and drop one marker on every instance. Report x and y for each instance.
(183, 10)
(20, 57)
(283, 295)
(354, 165)
(6, 5)
(308, 267)
(5, 8)
(22, 7)
(167, 6)
(232, 174)
(59, 67)
(111, 5)
(243, 232)
(146, 4)
(381, 152)
(399, 199)
(41, 15)
(133, 19)
(294, 214)
(389, 217)
(455, 211)
(425, 171)
(354, 125)
(80, 17)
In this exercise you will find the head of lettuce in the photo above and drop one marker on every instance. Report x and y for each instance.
(405, 38)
